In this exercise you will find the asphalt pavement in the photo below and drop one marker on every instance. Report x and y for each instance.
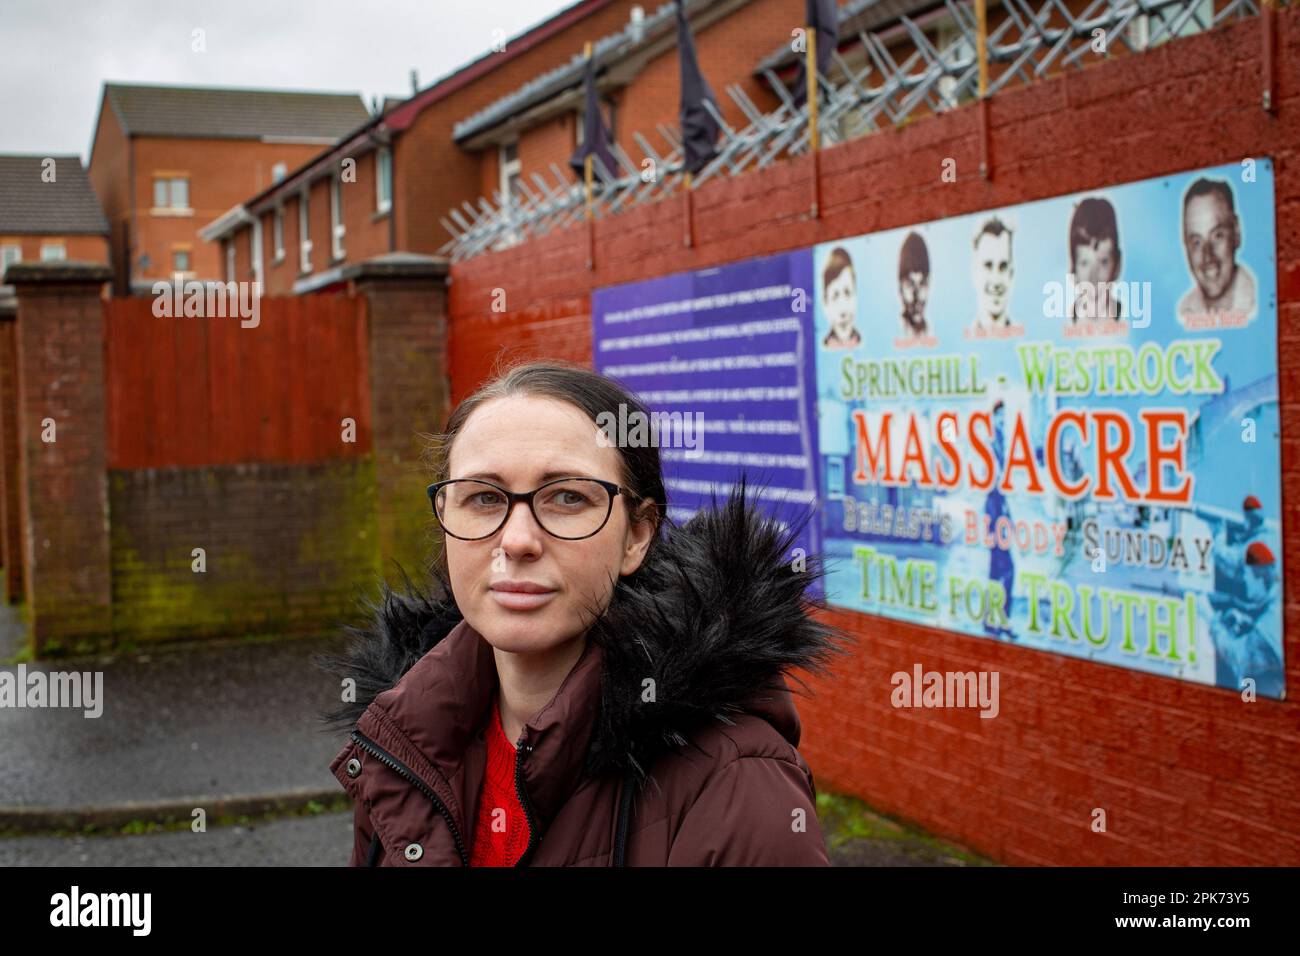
(231, 728)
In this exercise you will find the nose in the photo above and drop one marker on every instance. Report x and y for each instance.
(521, 533)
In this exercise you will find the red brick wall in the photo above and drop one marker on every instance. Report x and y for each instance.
(283, 546)
(59, 345)
(79, 248)
(10, 529)
(1186, 774)
(222, 173)
(109, 174)
(431, 174)
(728, 51)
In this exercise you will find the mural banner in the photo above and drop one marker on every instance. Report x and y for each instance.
(723, 360)
(1053, 424)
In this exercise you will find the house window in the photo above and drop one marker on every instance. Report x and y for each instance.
(9, 254)
(171, 194)
(279, 171)
(180, 260)
(53, 252)
(277, 232)
(304, 244)
(230, 260)
(337, 228)
(510, 170)
(383, 179)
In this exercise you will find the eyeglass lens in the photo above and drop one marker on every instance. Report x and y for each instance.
(574, 508)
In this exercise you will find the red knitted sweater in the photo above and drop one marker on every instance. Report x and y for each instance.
(506, 844)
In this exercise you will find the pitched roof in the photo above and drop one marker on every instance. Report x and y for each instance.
(399, 118)
(29, 204)
(148, 110)
(632, 36)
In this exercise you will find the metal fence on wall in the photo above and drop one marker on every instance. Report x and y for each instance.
(1028, 42)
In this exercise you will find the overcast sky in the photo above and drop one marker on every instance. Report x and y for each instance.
(56, 54)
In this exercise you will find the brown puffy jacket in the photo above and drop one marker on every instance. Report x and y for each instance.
(672, 741)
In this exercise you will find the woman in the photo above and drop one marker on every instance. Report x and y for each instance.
(588, 685)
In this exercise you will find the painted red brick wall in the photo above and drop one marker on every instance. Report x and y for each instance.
(1186, 774)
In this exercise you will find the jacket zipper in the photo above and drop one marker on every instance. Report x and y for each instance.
(368, 745)
(622, 820)
(522, 792)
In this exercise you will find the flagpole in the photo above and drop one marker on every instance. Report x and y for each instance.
(811, 72)
(586, 177)
(814, 140)
(982, 55)
(690, 185)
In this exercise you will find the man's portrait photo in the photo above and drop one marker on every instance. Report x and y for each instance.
(913, 289)
(840, 301)
(1095, 261)
(1223, 290)
(992, 272)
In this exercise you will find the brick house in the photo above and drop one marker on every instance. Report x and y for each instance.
(49, 211)
(406, 172)
(167, 159)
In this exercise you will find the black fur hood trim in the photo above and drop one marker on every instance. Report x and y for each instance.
(716, 615)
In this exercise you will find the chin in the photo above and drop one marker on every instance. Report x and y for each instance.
(517, 632)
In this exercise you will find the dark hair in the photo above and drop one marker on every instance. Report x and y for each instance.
(1092, 222)
(1210, 187)
(837, 262)
(994, 227)
(594, 394)
(913, 257)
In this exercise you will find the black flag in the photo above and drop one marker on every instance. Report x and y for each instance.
(699, 128)
(595, 135)
(824, 18)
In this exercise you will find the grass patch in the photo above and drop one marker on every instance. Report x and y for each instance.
(845, 819)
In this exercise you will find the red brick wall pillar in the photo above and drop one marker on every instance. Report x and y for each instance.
(10, 530)
(62, 483)
(405, 299)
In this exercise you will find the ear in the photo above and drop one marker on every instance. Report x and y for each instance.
(639, 535)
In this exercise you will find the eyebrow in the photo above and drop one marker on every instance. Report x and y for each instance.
(493, 476)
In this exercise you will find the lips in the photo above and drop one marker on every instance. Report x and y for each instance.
(521, 595)
(521, 587)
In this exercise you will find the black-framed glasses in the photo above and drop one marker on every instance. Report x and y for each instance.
(568, 508)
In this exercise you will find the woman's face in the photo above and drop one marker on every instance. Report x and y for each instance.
(515, 442)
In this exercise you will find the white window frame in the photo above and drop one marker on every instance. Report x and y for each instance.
(511, 170)
(183, 273)
(337, 228)
(10, 253)
(171, 207)
(47, 249)
(279, 171)
(383, 196)
(304, 244)
(277, 232)
(230, 259)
